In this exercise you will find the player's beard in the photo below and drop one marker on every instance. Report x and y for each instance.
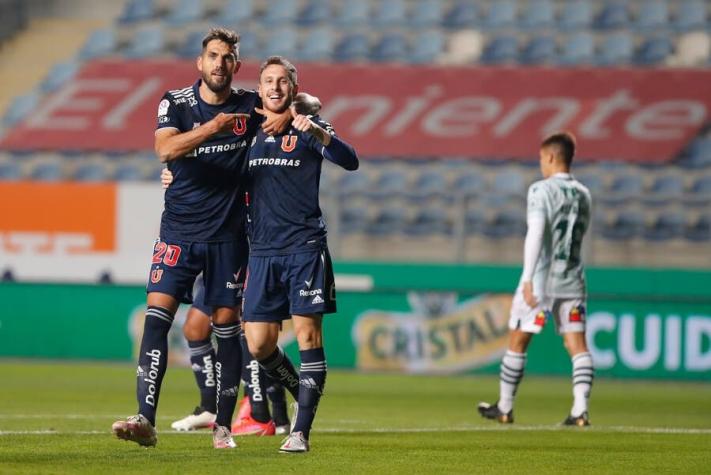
(217, 86)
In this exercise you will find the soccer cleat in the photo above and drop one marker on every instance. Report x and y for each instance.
(249, 426)
(137, 429)
(199, 419)
(581, 421)
(245, 409)
(492, 411)
(222, 439)
(295, 443)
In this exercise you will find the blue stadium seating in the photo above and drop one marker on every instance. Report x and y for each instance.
(10, 170)
(58, 75)
(128, 172)
(282, 41)
(234, 13)
(474, 220)
(464, 14)
(391, 47)
(388, 13)
(699, 230)
(654, 50)
(185, 11)
(191, 46)
(390, 220)
(426, 47)
(250, 46)
(700, 192)
(315, 12)
(592, 181)
(652, 14)
(47, 171)
(91, 172)
(429, 221)
(389, 184)
(500, 49)
(664, 189)
(353, 219)
(279, 12)
(626, 225)
(137, 10)
(148, 41)
(501, 14)
(19, 108)
(427, 185)
(352, 47)
(540, 49)
(353, 183)
(613, 14)
(667, 225)
(353, 14)
(698, 154)
(579, 48)
(616, 48)
(425, 14)
(316, 45)
(624, 188)
(509, 183)
(469, 184)
(507, 222)
(575, 15)
(691, 15)
(538, 14)
(100, 43)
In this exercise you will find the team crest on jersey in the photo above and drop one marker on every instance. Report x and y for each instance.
(288, 143)
(577, 314)
(540, 318)
(240, 126)
(156, 275)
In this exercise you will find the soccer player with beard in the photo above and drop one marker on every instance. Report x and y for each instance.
(289, 271)
(203, 133)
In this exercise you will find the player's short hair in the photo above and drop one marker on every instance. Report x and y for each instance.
(281, 61)
(225, 35)
(564, 142)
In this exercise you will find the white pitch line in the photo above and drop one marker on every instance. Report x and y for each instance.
(413, 430)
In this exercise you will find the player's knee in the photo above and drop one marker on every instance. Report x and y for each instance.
(196, 328)
(309, 337)
(261, 349)
(224, 315)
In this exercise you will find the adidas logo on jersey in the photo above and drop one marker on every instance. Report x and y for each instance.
(317, 299)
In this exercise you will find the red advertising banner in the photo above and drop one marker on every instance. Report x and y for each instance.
(405, 111)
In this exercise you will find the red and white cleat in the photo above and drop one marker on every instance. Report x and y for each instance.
(136, 429)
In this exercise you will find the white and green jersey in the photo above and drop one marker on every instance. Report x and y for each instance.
(565, 205)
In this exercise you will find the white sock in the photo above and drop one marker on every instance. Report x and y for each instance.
(512, 365)
(582, 382)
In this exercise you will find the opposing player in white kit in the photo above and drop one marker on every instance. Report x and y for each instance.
(552, 283)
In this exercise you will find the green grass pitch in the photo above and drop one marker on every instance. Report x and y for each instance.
(56, 418)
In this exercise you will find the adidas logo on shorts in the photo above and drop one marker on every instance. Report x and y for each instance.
(317, 299)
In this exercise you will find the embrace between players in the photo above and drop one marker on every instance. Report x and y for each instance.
(221, 147)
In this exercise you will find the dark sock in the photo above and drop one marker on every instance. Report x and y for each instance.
(227, 370)
(312, 379)
(152, 360)
(277, 396)
(202, 361)
(253, 378)
(279, 368)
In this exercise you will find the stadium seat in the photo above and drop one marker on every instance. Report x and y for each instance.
(540, 49)
(664, 189)
(501, 14)
(506, 222)
(624, 188)
(474, 220)
(390, 220)
(10, 170)
(91, 172)
(427, 47)
(576, 15)
(148, 41)
(464, 14)
(700, 229)
(353, 219)
(282, 41)
(700, 192)
(250, 46)
(316, 45)
(353, 184)
(234, 13)
(500, 49)
(616, 48)
(698, 154)
(314, 12)
(353, 14)
(613, 15)
(691, 15)
(278, 12)
(391, 47)
(592, 181)
(510, 183)
(652, 15)
(389, 184)
(191, 46)
(47, 171)
(429, 184)
(128, 172)
(626, 225)
(654, 50)
(352, 47)
(578, 48)
(469, 184)
(137, 10)
(667, 225)
(538, 14)
(429, 221)
(100, 43)
(425, 14)
(19, 108)
(388, 13)
(185, 11)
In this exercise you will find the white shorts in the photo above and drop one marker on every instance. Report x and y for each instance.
(568, 315)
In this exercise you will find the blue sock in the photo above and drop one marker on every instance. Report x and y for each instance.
(202, 361)
(277, 396)
(312, 379)
(253, 377)
(152, 360)
(279, 368)
(227, 370)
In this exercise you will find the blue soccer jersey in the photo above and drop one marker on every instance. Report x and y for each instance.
(205, 203)
(284, 175)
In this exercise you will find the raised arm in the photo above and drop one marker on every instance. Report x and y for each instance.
(334, 149)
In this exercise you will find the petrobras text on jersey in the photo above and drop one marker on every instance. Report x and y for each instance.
(279, 162)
